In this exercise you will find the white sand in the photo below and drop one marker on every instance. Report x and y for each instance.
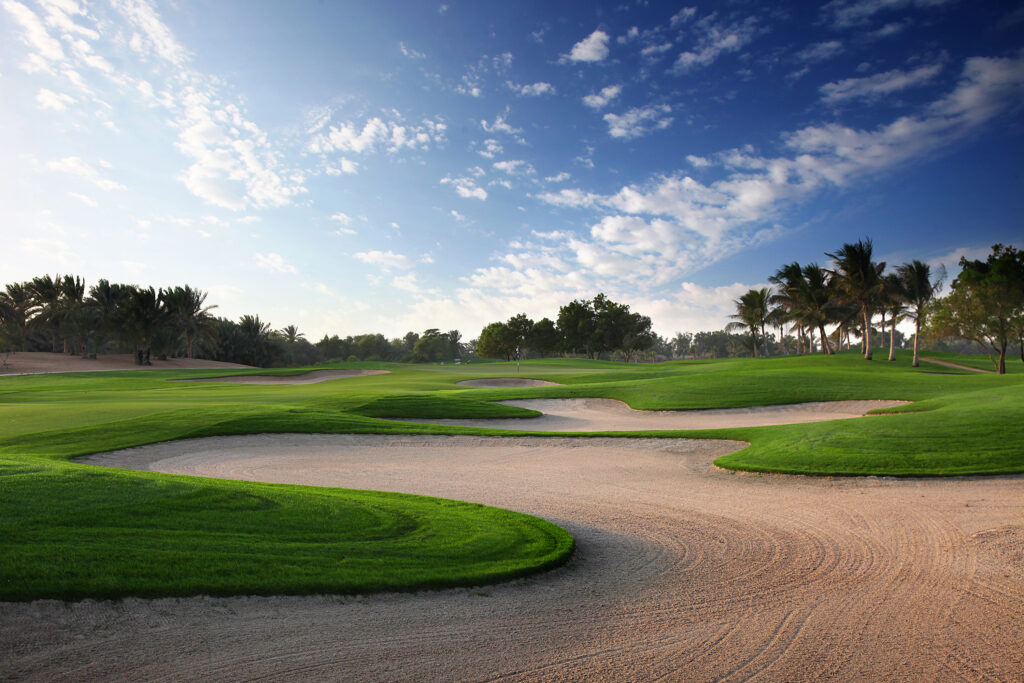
(682, 572)
(607, 415)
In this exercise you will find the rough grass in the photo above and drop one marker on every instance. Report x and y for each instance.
(71, 531)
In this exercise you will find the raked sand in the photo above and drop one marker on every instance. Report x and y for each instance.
(682, 572)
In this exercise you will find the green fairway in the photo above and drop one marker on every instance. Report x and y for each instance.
(70, 531)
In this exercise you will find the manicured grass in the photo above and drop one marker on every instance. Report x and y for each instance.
(69, 530)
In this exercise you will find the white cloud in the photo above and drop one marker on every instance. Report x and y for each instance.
(629, 36)
(34, 33)
(879, 85)
(819, 52)
(714, 40)
(846, 13)
(88, 201)
(457, 216)
(384, 259)
(48, 99)
(654, 233)
(409, 52)
(534, 90)
(273, 262)
(558, 177)
(491, 148)
(466, 187)
(655, 51)
(342, 218)
(375, 134)
(607, 94)
(639, 121)
(593, 48)
(514, 167)
(76, 166)
(500, 125)
(682, 16)
(569, 198)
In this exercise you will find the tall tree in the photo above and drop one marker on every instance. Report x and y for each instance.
(18, 307)
(187, 315)
(860, 280)
(919, 290)
(141, 315)
(753, 312)
(46, 297)
(576, 324)
(986, 302)
(893, 301)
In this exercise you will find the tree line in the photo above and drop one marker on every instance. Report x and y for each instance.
(985, 303)
(591, 328)
(60, 314)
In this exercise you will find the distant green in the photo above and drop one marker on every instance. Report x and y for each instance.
(70, 531)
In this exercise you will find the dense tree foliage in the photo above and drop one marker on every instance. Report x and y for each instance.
(59, 314)
(593, 328)
(986, 304)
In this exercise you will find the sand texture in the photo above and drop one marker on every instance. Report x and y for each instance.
(32, 362)
(311, 377)
(505, 382)
(608, 415)
(682, 572)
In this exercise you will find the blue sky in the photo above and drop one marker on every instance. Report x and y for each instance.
(394, 166)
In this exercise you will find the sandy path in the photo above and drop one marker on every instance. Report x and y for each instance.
(311, 377)
(683, 572)
(608, 415)
(33, 362)
(505, 382)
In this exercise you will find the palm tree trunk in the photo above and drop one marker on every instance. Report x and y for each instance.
(917, 333)
(825, 348)
(866, 340)
(892, 339)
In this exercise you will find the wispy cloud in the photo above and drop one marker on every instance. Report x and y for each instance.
(879, 85)
(714, 39)
(274, 262)
(76, 166)
(384, 259)
(532, 90)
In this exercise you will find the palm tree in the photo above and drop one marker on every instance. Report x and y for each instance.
(17, 307)
(141, 315)
(790, 282)
(291, 334)
(753, 312)
(73, 316)
(860, 280)
(186, 314)
(893, 302)
(46, 297)
(818, 301)
(919, 289)
(104, 302)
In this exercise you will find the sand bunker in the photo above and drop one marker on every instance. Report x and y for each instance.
(607, 415)
(682, 572)
(505, 382)
(312, 377)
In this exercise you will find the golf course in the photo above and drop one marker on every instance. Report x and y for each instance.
(140, 506)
